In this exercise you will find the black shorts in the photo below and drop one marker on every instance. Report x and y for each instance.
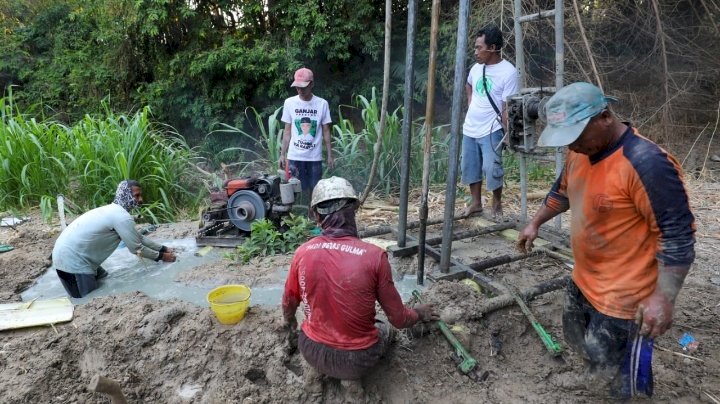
(308, 172)
(346, 365)
(77, 285)
(610, 345)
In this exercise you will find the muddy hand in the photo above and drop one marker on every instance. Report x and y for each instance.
(654, 315)
(526, 238)
(426, 312)
(169, 256)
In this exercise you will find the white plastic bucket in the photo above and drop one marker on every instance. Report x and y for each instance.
(296, 184)
(287, 193)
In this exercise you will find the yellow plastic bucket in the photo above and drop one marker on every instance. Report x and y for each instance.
(229, 303)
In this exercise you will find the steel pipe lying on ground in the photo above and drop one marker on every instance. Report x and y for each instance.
(497, 303)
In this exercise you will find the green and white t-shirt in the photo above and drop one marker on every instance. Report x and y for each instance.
(306, 119)
(501, 80)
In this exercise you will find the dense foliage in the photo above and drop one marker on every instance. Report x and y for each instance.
(40, 159)
(217, 71)
(196, 63)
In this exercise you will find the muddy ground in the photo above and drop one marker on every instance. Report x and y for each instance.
(174, 352)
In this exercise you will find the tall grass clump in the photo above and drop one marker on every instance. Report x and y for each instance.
(353, 148)
(259, 151)
(42, 158)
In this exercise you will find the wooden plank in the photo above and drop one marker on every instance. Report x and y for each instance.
(40, 312)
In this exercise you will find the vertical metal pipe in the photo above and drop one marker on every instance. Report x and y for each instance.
(522, 79)
(455, 135)
(407, 122)
(429, 109)
(519, 54)
(559, 80)
(523, 187)
(559, 44)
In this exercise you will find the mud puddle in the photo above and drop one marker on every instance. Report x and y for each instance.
(128, 273)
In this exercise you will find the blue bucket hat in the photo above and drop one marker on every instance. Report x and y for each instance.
(569, 111)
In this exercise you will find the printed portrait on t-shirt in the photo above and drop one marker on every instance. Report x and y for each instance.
(307, 129)
(480, 88)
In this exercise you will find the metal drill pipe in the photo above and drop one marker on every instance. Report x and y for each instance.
(559, 80)
(501, 260)
(455, 128)
(407, 122)
(470, 233)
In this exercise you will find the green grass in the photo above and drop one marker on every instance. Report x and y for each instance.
(264, 141)
(538, 171)
(353, 148)
(42, 158)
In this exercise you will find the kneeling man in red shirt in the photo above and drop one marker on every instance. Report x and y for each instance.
(338, 277)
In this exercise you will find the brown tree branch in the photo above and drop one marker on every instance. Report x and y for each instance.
(666, 73)
(587, 45)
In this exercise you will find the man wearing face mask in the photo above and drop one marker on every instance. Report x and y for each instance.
(632, 236)
(91, 239)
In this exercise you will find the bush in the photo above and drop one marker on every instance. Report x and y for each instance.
(265, 239)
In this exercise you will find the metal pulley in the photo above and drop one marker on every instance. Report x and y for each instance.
(244, 207)
(524, 112)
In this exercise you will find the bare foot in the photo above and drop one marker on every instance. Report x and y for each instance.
(497, 210)
(473, 210)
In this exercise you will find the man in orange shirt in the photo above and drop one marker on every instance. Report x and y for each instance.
(632, 235)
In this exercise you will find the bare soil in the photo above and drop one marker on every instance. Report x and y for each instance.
(175, 352)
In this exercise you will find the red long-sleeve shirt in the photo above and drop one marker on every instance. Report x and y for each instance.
(338, 281)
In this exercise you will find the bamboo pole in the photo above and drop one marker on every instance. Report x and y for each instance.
(383, 107)
(435, 19)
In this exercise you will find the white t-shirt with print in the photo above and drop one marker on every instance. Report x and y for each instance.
(306, 119)
(501, 81)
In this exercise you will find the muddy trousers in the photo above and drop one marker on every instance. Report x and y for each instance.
(611, 346)
(346, 365)
(79, 285)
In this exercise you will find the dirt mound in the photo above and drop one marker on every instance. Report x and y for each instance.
(158, 351)
(174, 352)
(33, 242)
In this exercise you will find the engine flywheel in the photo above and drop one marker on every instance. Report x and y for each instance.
(244, 207)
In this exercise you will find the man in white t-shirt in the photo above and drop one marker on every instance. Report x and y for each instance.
(307, 126)
(484, 123)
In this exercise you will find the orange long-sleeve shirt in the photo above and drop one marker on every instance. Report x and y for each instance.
(629, 211)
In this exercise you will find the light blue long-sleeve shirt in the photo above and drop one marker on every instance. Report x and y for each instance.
(91, 238)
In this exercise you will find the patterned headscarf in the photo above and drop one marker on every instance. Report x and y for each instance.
(124, 196)
(340, 223)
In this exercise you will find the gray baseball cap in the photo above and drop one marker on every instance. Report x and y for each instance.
(569, 111)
